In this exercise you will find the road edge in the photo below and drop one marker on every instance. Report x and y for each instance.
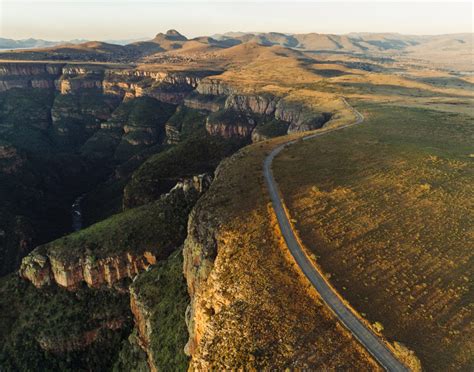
(278, 204)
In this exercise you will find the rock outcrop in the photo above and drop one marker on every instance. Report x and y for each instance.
(204, 102)
(257, 104)
(53, 263)
(230, 124)
(299, 117)
(28, 75)
(41, 269)
(142, 315)
(170, 87)
(215, 87)
(249, 307)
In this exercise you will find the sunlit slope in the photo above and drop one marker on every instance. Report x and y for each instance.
(387, 209)
(254, 308)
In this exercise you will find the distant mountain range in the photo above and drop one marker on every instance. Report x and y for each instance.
(352, 42)
(441, 49)
(356, 42)
(39, 43)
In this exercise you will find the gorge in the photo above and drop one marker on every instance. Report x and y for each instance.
(136, 227)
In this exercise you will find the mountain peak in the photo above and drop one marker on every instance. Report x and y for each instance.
(172, 35)
(173, 32)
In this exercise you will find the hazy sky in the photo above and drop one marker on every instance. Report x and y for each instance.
(125, 19)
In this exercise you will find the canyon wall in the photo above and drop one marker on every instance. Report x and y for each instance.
(215, 95)
(81, 259)
(110, 86)
(170, 87)
(249, 307)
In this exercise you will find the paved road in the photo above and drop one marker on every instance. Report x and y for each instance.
(366, 337)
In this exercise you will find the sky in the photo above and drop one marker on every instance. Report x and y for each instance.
(128, 19)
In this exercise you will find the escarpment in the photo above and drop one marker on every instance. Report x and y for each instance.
(249, 306)
(170, 87)
(41, 269)
(90, 94)
(119, 247)
(224, 100)
(29, 75)
(158, 301)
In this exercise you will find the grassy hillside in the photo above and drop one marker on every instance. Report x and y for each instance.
(387, 209)
(261, 314)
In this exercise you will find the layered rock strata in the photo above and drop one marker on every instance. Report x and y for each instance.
(170, 87)
(47, 265)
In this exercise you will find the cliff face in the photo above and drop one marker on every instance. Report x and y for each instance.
(204, 102)
(257, 104)
(214, 87)
(53, 263)
(167, 87)
(250, 308)
(28, 75)
(41, 269)
(230, 124)
(158, 301)
(170, 87)
(90, 93)
(299, 117)
(142, 317)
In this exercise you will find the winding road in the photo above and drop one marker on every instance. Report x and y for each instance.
(374, 345)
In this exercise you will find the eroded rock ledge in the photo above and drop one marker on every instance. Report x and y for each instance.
(169, 87)
(79, 258)
(196, 90)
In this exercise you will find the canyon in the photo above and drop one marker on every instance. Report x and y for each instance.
(117, 121)
(178, 262)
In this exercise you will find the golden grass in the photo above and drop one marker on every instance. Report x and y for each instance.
(389, 215)
(268, 315)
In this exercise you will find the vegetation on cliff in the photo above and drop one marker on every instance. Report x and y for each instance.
(125, 134)
(54, 329)
(161, 293)
(158, 227)
(197, 154)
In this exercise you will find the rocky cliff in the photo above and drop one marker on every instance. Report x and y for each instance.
(89, 94)
(29, 75)
(169, 87)
(158, 301)
(230, 124)
(41, 269)
(250, 308)
(106, 253)
(210, 90)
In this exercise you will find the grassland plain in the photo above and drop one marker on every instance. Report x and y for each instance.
(386, 207)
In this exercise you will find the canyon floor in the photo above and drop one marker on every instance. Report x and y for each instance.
(180, 263)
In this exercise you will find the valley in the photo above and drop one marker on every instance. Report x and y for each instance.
(177, 260)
